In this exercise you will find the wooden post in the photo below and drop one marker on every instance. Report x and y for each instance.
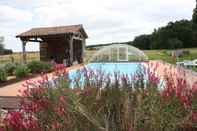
(118, 54)
(71, 49)
(110, 55)
(24, 52)
(83, 49)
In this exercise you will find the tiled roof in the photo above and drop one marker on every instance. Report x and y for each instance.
(46, 31)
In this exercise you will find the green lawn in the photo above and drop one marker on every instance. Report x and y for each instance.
(165, 56)
(159, 55)
(195, 69)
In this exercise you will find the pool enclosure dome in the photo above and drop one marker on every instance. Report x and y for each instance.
(118, 53)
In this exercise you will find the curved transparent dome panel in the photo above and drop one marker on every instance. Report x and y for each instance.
(118, 53)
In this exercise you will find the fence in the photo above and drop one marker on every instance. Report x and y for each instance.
(17, 57)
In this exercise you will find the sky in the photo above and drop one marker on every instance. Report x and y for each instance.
(105, 21)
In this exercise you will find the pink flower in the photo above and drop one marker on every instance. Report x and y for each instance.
(56, 125)
(194, 117)
(62, 99)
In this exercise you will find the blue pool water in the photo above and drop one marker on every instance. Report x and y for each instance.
(123, 68)
(128, 69)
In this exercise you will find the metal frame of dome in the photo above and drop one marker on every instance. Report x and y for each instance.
(106, 53)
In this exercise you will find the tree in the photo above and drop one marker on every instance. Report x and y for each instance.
(1, 45)
(182, 30)
(142, 42)
(194, 17)
(194, 25)
(163, 37)
(174, 43)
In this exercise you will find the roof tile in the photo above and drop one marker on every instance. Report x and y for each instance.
(45, 31)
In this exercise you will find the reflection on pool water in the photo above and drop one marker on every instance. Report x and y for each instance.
(128, 69)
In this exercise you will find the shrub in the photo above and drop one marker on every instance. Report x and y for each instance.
(3, 75)
(10, 68)
(46, 67)
(38, 67)
(22, 71)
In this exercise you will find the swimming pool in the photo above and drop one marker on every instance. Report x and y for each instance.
(104, 69)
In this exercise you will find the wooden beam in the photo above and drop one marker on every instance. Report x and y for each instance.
(36, 41)
(24, 52)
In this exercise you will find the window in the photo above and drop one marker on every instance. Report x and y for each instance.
(122, 54)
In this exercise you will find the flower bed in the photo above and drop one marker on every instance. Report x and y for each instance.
(122, 105)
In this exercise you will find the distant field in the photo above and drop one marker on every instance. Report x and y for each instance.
(17, 57)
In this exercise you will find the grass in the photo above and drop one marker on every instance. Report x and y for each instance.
(159, 55)
(195, 69)
(165, 55)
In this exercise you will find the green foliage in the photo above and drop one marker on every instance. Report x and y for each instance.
(194, 17)
(1, 45)
(195, 69)
(4, 51)
(194, 25)
(22, 71)
(10, 68)
(174, 43)
(3, 75)
(180, 30)
(38, 67)
(154, 113)
(175, 35)
(142, 42)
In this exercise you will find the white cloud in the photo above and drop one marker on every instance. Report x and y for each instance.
(102, 16)
(9, 15)
(12, 20)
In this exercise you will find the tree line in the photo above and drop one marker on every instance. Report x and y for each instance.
(175, 35)
(179, 34)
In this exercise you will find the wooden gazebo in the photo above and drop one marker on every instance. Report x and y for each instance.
(62, 43)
